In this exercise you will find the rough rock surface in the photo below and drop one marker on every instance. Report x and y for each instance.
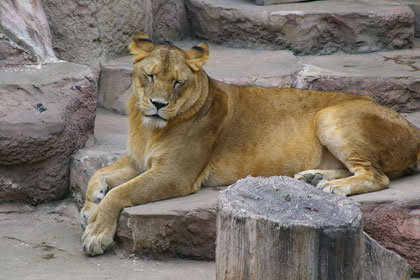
(46, 113)
(25, 24)
(305, 28)
(391, 77)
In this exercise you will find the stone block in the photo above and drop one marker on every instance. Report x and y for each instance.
(179, 227)
(46, 114)
(313, 27)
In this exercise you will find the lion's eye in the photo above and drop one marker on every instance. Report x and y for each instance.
(150, 77)
(178, 83)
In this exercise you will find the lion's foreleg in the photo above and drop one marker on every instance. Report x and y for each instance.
(102, 181)
(155, 184)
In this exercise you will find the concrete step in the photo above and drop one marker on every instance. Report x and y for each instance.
(46, 113)
(313, 27)
(390, 77)
(186, 226)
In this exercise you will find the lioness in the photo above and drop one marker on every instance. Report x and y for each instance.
(188, 130)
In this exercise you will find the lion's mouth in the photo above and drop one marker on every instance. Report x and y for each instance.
(155, 116)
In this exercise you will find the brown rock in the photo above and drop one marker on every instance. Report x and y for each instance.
(46, 113)
(305, 28)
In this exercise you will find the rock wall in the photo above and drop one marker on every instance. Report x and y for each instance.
(86, 30)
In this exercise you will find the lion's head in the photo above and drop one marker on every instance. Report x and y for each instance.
(166, 79)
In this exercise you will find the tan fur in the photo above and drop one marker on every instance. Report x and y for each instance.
(210, 133)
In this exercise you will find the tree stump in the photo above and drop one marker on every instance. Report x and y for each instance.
(280, 228)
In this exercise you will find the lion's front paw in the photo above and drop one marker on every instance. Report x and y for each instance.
(309, 176)
(86, 212)
(330, 187)
(99, 233)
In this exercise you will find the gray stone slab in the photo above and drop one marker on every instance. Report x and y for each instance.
(313, 27)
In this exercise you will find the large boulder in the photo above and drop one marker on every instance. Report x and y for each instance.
(46, 114)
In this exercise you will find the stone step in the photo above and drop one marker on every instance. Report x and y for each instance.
(390, 77)
(46, 113)
(313, 27)
(186, 226)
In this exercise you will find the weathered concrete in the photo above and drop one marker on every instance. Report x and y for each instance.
(314, 27)
(389, 77)
(44, 243)
(46, 113)
(25, 25)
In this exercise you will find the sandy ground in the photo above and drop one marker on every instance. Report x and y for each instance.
(43, 242)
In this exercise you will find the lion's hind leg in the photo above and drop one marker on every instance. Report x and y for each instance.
(102, 181)
(369, 140)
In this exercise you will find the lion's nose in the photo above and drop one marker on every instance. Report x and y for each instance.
(158, 104)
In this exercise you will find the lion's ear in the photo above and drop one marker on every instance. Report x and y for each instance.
(140, 46)
(197, 56)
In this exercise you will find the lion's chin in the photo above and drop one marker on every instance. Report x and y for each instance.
(154, 122)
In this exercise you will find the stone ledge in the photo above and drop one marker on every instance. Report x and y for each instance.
(304, 28)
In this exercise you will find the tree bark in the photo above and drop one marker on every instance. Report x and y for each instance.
(280, 228)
